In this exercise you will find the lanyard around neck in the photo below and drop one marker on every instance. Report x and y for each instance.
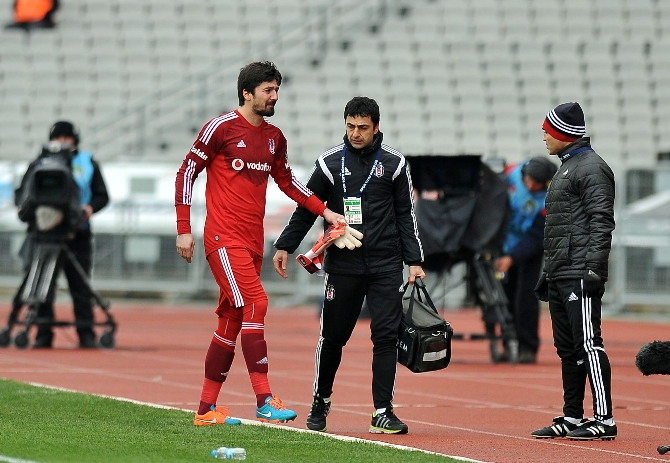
(344, 180)
(566, 156)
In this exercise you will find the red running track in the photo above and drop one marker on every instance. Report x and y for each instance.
(472, 409)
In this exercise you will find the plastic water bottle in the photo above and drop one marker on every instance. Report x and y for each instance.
(228, 453)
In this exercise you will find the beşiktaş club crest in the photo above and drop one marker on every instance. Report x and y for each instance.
(379, 170)
(330, 292)
(271, 146)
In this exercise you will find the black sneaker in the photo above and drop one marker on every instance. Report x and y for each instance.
(387, 423)
(316, 420)
(43, 340)
(87, 341)
(526, 356)
(560, 428)
(593, 430)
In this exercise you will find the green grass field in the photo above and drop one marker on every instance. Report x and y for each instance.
(47, 425)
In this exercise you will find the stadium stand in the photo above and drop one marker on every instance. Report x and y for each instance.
(452, 76)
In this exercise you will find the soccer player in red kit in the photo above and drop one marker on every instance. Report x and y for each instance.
(240, 150)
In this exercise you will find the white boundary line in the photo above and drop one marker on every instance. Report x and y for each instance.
(247, 422)
(14, 460)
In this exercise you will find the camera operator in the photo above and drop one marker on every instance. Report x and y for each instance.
(93, 194)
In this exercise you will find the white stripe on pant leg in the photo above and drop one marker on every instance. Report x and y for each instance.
(395, 377)
(319, 344)
(597, 371)
(317, 363)
(592, 356)
(225, 262)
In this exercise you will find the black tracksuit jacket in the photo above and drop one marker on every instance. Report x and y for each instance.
(389, 227)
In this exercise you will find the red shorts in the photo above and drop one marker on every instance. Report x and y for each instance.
(237, 271)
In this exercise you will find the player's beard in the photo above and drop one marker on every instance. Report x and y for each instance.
(265, 110)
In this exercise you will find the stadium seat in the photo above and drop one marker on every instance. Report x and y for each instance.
(518, 26)
(428, 48)
(579, 26)
(442, 141)
(432, 68)
(640, 21)
(474, 144)
(544, 17)
(454, 28)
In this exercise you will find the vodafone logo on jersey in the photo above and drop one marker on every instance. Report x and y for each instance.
(265, 167)
(238, 164)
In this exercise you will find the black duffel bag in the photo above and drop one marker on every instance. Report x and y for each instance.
(424, 339)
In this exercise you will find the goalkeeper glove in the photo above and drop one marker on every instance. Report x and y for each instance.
(350, 239)
(312, 263)
(313, 258)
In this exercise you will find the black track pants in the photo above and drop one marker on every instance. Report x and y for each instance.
(524, 306)
(344, 295)
(576, 325)
(82, 248)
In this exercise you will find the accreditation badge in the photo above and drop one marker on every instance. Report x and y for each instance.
(353, 211)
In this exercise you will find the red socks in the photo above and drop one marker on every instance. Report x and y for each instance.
(259, 381)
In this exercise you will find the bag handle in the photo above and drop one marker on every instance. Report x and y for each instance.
(418, 283)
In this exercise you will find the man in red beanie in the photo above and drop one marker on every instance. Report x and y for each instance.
(577, 243)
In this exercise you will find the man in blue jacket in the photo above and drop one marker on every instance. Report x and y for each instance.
(93, 194)
(522, 259)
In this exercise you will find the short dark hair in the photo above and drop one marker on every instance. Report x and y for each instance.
(254, 74)
(540, 169)
(362, 106)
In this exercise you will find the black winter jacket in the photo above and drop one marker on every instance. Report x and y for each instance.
(580, 215)
(390, 233)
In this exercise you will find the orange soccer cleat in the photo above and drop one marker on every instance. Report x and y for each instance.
(216, 416)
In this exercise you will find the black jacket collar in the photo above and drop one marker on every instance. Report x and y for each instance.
(565, 153)
(371, 148)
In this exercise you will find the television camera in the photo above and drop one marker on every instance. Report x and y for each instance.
(50, 201)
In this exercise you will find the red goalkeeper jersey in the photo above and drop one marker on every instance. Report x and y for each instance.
(239, 158)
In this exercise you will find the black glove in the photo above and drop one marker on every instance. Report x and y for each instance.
(542, 288)
(592, 285)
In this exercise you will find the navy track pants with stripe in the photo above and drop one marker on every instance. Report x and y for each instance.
(575, 320)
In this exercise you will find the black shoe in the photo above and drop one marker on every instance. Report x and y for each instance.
(593, 430)
(387, 423)
(560, 428)
(43, 341)
(87, 341)
(316, 420)
(526, 356)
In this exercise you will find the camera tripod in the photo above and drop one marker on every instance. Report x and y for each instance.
(34, 291)
(487, 291)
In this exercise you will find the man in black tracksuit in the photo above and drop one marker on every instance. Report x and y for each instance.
(374, 180)
(577, 243)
